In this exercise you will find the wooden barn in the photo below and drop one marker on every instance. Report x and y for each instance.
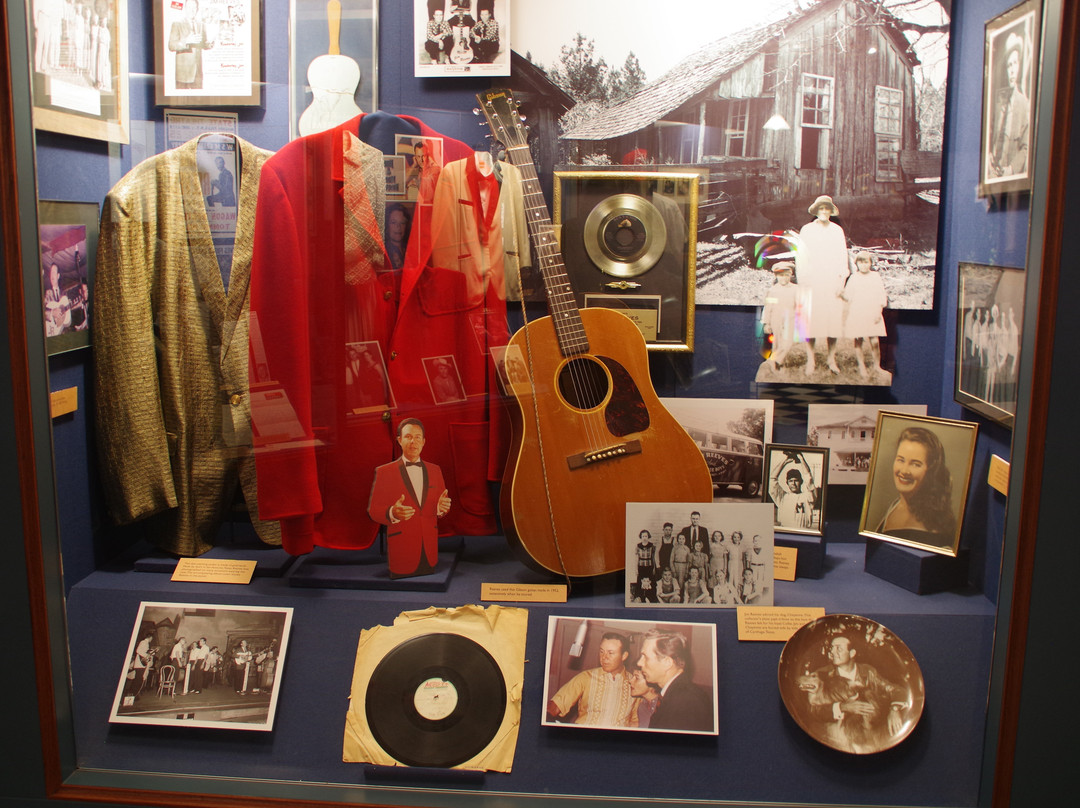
(820, 102)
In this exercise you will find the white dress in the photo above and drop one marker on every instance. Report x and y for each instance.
(821, 267)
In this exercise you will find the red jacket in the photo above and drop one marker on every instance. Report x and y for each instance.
(316, 483)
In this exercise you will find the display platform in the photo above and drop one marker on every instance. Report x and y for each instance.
(764, 755)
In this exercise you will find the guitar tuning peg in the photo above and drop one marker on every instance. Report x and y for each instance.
(476, 110)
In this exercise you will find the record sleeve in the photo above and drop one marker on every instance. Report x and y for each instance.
(439, 688)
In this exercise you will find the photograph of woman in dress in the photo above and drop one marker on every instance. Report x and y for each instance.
(920, 470)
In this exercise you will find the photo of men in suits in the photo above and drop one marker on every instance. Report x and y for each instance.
(683, 705)
(409, 496)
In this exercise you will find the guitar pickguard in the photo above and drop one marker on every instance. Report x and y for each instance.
(626, 411)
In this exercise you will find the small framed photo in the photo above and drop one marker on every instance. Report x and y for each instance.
(1010, 81)
(207, 54)
(611, 673)
(848, 431)
(203, 665)
(461, 38)
(444, 379)
(796, 479)
(712, 555)
(629, 239)
(989, 328)
(67, 243)
(79, 67)
(920, 470)
(333, 63)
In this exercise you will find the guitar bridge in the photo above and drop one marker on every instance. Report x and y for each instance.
(583, 459)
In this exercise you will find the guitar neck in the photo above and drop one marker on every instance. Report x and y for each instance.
(563, 307)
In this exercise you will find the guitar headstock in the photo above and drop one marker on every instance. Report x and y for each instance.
(501, 111)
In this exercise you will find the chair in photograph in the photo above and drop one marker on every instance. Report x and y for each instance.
(167, 680)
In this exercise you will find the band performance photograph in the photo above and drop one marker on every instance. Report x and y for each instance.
(203, 665)
(631, 675)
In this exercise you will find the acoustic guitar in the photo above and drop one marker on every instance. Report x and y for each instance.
(589, 433)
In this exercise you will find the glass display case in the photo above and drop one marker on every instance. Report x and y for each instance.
(210, 362)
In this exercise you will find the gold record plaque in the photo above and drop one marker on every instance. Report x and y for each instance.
(625, 235)
(629, 239)
(851, 684)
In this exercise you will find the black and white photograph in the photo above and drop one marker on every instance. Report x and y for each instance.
(67, 247)
(444, 379)
(731, 434)
(707, 555)
(461, 37)
(775, 103)
(78, 53)
(796, 481)
(367, 384)
(332, 75)
(824, 320)
(203, 665)
(851, 684)
(1009, 82)
(631, 675)
(207, 53)
(990, 324)
(920, 470)
(848, 430)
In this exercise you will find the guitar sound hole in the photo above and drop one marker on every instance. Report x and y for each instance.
(583, 383)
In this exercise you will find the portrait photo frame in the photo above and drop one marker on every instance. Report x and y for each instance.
(798, 503)
(209, 57)
(574, 645)
(918, 482)
(83, 90)
(1010, 83)
(310, 44)
(67, 237)
(236, 689)
(989, 333)
(650, 276)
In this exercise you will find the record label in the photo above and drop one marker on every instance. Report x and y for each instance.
(435, 700)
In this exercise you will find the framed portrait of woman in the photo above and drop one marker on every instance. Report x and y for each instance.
(920, 470)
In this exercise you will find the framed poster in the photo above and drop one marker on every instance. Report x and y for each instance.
(795, 484)
(629, 241)
(67, 249)
(989, 327)
(79, 68)
(333, 70)
(920, 470)
(609, 673)
(207, 53)
(461, 38)
(1010, 80)
(203, 665)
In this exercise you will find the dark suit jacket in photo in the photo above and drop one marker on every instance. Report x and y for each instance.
(685, 706)
(703, 537)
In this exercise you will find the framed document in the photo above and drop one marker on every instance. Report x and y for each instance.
(920, 469)
(207, 55)
(80, 81)
(989, 327)
(1010, 80)
(629, 239)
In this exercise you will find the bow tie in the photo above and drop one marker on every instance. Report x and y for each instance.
(417, 463)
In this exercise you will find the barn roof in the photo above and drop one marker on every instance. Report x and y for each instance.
(692, 76)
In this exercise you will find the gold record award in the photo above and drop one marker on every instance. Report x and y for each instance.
(625, 235)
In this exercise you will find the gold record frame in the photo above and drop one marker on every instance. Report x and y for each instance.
(629, 240)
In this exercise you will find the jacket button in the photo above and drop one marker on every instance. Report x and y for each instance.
(235, 399)
(387, 295)
(386, 415)
(393, 355)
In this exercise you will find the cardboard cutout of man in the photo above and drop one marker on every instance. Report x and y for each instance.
(409, 496)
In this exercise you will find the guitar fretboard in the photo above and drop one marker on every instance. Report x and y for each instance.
(563, 307)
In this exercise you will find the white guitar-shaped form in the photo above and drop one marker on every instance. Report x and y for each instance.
(333, 79)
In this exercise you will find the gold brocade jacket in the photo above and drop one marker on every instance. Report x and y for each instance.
(171, 354)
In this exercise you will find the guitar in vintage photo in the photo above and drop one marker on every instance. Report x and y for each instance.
(589, 432)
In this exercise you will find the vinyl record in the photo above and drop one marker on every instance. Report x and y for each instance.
(625, 235)
(435, 700)
(851, 684)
